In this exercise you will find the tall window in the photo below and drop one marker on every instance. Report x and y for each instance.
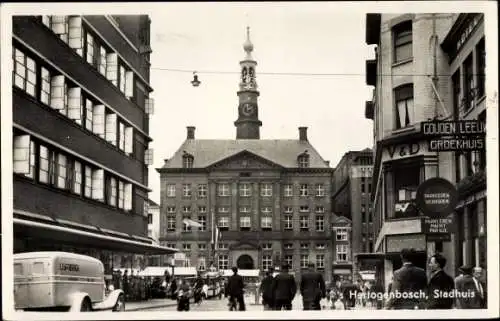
(88, 182)
(288, 222)
(481, 66)
(266, 223)
(223, 223)
(455, 80)
(45, 87)
(468, 84)
(267, 262)
(304, 222)
(24, 72)
(170, 190)
(121, 195)
(403, 41)
(266, 190)
(245, 223)
(77, 178)
(304, 190)
(342, 253)
(320, 223)
(223, 262)
(288, 190)
(202, 219)
(245, 190)
(202, 190)
(61, 171)
(89, 108)
(341, 234)
(171, 223)
(186, 190)
(90, 48)
(102, 61)
(289, 261)
(320, 261)
(404, 106)
(223, 190)
(44, 160)
(320, 190)
(304, 260)
(112, 191)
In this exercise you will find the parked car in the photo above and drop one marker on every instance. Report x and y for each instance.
(62, 281)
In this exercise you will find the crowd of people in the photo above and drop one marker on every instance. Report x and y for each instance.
(412, 289)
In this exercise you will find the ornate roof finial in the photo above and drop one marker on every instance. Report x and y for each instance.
(248, 46)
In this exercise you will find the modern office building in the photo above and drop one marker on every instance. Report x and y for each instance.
(81, 107)
(269, 198)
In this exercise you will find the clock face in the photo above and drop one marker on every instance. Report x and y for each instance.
(247, 109)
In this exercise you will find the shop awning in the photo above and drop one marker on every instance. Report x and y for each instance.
(94, 239)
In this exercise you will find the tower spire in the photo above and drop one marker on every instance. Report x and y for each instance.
(248, 123)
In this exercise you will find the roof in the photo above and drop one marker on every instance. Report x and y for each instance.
(152, 203)
(282, 152)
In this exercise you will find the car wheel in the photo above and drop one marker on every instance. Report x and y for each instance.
(120, 304)
(86, 305)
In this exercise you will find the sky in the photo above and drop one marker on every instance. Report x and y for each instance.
(315, 38)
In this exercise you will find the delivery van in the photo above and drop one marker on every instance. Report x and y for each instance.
(62, 281)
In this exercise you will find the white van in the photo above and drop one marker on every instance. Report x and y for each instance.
(62, 281)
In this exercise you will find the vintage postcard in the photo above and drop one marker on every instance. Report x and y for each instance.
(238, 160)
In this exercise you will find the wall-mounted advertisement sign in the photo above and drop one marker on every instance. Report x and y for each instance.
(437, 197)
(460, 135)
(437, 225)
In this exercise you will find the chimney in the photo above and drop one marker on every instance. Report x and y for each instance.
(190, 132)
(327, 163)
(303, 133)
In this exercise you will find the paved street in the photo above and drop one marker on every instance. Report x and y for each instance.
(221, 305)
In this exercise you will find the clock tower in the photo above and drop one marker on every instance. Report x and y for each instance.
(248, 123)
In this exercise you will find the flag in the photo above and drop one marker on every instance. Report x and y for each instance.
(190, 222)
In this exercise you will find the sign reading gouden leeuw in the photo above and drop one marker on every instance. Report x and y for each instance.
(437, 198)
(460, 135)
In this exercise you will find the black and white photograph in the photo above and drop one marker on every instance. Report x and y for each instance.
(249, 160)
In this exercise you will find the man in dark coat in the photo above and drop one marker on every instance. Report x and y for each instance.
(409, 285)
(234, 289)
(266, 288)
(440, 284)
(468, 295)
(478, 277)
(283, 289)
(312, 288)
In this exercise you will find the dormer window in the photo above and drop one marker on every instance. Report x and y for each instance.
(187, 161)
(303, 160)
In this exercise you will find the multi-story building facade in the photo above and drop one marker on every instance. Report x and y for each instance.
(269, 198)
(465, 46)
(342, 254)
(407, 72)
(80, 136)
(351, 186)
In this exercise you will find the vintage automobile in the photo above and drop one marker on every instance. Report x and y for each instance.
(61, 281)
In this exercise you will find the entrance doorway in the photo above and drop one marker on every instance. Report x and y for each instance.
(245, 262)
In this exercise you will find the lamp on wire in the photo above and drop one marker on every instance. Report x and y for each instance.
(195, 82)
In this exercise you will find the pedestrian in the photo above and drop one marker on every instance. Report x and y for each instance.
(198, 289)
(266, 288)
(409, 286)
(468, 294)
(125, 284)
(477, 275)
(439, 283)
(173, 289)
(183, 295)
(284, 289)
(234, 289)
(312, 288)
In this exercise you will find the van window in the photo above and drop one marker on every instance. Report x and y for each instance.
(18, 269)
(38, 268)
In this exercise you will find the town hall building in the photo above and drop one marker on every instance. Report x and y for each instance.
(269, 198)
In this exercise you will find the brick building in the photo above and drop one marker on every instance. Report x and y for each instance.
(80, 136)
(269, 198)
(415, 56)
(351, 186)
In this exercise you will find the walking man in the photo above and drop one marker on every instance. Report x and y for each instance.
(409, 285)
(312, 288)
(283, 289)
(439, 283)
(234, 289)
(266, 288)
(470, 297)
(477, 274)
